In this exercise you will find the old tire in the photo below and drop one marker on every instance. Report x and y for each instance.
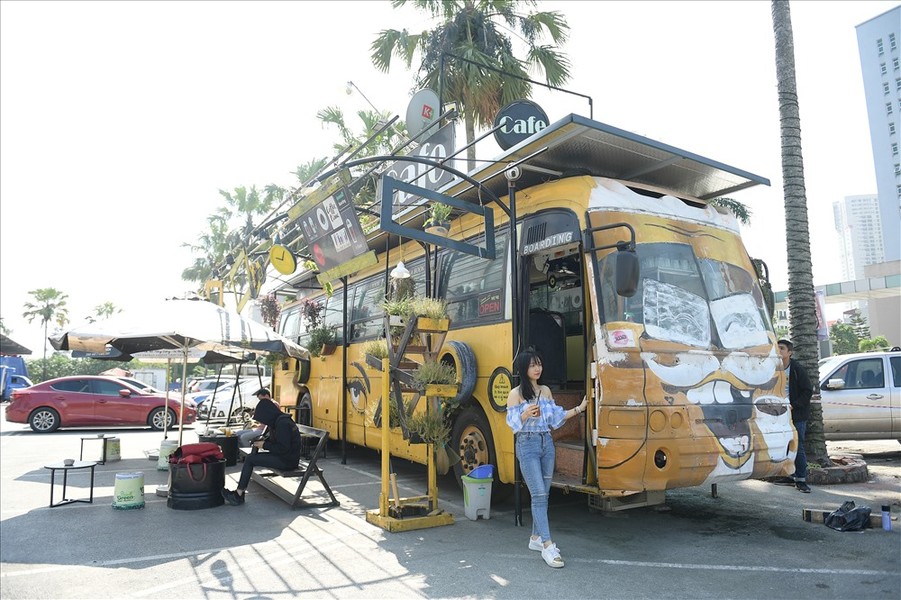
(472, 441)
(302, 375)
(305, 410)
(157, 417)
(461, 357)
(44, 420)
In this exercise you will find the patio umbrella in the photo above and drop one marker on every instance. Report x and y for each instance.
(10, 347)
(180, 325)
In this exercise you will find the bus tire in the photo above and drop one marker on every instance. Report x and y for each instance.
(472, 442)
(461, 357)
(305, 410)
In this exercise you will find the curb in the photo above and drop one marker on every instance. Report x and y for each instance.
(844, 469)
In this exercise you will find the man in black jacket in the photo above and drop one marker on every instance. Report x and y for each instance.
(799, 390)
(281, 442)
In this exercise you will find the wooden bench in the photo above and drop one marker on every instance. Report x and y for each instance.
(278, 481)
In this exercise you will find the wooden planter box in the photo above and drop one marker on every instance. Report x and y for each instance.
(442, 390)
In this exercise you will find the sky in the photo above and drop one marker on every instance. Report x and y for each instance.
(121, 121)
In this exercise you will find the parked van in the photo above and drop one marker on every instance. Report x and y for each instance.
(861, 396)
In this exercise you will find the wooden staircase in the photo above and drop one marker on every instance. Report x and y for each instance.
(569, 441)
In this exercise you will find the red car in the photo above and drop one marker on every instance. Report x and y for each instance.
(92, 401)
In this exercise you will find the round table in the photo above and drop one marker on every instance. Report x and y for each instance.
(62, 466)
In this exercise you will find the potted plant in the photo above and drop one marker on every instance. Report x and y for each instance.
(428, 427)
(435, 378)
(374, 351)
(322, 336)
(439, 218)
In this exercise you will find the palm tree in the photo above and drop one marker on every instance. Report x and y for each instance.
(106, 310)
(801, 299)
(474, 31)
(49, 304)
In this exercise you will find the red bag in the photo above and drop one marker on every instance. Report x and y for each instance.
(193, 454)
(196, 453)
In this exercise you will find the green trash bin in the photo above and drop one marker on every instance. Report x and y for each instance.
(477, 493)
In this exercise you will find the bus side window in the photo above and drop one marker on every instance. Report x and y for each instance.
(334, 313)
(290, 327)
(368, 309)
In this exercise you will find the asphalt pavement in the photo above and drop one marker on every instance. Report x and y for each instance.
(748, 542)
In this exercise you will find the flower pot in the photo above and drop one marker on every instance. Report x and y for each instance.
(441, 229)
(327, 349)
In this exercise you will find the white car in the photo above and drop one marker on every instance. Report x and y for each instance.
(242, 403)
(861, 396)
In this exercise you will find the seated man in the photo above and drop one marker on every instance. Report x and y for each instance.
(282, 445)
(247, 436)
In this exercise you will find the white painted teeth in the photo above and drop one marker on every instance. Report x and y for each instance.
(718, 392)
(736, 446)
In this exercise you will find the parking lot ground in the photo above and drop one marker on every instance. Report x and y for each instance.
(749, 542)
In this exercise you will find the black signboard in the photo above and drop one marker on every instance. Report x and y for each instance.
(518, 120)
(437, 147)
(332, 231)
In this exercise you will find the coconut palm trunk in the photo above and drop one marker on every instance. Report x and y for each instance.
(801, 299)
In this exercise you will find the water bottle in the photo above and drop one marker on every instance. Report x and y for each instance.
(886, 517)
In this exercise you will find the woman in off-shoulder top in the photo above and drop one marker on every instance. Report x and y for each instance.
(531, 414)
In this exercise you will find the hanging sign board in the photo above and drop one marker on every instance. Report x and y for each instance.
(332, 231)
(518, 120)
(437, 147)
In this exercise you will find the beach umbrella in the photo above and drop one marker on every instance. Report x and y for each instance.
(182, 326)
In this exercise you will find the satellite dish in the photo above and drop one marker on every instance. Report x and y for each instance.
(422, 112)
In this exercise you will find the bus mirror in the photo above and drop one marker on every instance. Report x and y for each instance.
(627, 272)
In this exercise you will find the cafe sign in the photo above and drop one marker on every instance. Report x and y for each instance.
(517, 121)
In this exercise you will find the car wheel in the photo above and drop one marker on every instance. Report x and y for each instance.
(243, 415)
(472, 441)
(157, 417)
(44, 420)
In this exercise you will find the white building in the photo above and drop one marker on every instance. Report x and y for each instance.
(859, 228)
(878, 41)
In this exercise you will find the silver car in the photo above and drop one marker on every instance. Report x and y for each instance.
(861, 396)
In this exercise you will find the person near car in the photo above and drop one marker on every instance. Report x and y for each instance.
(531, 414)
(246, 437)
(281, 445)
(799, 390)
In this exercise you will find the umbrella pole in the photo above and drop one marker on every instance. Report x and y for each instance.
(184, 383)
(231, 404)
(212, 399)
(168, 385)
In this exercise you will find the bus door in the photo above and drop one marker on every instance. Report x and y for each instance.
(552, 295)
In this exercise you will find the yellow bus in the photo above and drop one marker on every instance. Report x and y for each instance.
(682, 376)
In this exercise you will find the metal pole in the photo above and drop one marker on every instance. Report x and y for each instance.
(344, 376)
(512, 175)
(386, 452)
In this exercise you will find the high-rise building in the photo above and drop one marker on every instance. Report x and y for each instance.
(878, 41)
(859, 228)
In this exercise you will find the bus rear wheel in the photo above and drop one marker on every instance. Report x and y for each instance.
(472, 442)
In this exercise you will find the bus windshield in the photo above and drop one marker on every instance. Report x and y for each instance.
(689, 300)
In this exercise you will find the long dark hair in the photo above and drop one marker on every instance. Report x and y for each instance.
(521, 365)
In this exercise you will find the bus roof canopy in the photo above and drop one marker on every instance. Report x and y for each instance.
(576, 145)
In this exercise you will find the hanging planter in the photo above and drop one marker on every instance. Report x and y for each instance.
(438, 222)
(442, 228)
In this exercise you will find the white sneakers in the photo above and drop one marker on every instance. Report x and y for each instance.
(551, 556)
(536, 544)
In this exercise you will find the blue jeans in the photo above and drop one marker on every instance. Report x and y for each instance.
(536, 461)
(801, 458)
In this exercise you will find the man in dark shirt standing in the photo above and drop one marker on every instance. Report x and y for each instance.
(799, 391)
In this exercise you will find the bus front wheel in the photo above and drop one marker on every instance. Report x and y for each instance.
(472, 441)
